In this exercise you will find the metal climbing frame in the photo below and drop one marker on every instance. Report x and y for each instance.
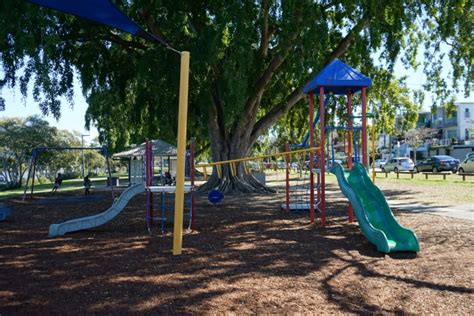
(163, 190)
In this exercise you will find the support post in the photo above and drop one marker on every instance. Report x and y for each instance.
(373, 151)
(110, 174)
(323, 156)
(288, 166)
(33, 178)
(182, 123)
(30, 168)
(311, 157)
(193, 198)
(365, 157)
(148, 183)
(350, 129)
(350, 211)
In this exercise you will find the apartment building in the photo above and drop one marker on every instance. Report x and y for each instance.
(457, 126)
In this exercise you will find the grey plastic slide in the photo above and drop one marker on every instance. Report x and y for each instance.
(98, 219)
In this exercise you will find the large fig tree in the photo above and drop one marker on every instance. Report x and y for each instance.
(249, 61)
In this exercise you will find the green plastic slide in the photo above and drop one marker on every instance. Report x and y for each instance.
(375, 217)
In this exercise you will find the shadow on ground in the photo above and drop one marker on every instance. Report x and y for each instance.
(247, 256)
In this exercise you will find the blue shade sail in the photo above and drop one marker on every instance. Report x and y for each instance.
(100, 11)
(338, 78)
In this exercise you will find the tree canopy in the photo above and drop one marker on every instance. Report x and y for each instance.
(249, 61)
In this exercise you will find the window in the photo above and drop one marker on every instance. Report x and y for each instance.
(466, 113)
(451, 134)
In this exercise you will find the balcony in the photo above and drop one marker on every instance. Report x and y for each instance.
(448, 122)
(440, 142)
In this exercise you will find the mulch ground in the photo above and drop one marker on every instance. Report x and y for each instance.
(247, 256)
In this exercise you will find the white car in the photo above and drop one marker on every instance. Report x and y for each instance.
(467, 166)
(399, 164)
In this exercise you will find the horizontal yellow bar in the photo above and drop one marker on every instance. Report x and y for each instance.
(217, 163)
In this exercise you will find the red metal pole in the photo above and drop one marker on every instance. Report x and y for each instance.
(322, 125)
(350, 211)
(288, 162)
(318, 176)
(148, 181)
(343, 141)
(193, 200)
(151, 181)
(365, 157)
(311, 157)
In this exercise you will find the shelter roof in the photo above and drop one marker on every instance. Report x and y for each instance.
(160, 148)
(338, 78)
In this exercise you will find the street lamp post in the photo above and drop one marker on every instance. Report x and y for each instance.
(82, 153)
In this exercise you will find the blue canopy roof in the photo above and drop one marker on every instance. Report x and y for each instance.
(338, 78)
(100, 11)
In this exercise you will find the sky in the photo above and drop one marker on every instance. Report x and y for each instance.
(72, 118)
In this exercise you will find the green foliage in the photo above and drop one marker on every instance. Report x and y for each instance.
(390, 101)
(19, 136)
(248, 60)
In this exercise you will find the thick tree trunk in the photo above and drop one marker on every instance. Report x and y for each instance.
(226, 147)
(234, 142)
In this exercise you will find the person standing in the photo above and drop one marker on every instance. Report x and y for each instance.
(87, 185)
(57, 183)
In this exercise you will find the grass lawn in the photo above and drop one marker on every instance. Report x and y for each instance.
(67, 185)
(434, 191)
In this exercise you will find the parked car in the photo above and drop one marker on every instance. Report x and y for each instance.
(467, 166)
(470, 154)
(398, 164)
(281, 164)
(379, 163)
(437, 164)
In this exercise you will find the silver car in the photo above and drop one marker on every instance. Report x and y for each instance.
(399, 164)
(467, 166)
(379, 163)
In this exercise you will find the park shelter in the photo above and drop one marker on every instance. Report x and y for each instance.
(164, 156)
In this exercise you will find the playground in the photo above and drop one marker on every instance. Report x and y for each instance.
(246, 256)
(324, 236)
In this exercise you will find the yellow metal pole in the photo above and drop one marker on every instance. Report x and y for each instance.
(223, 162)
(205, 173)
(233, 169)
(246, 168)
(182, 123)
